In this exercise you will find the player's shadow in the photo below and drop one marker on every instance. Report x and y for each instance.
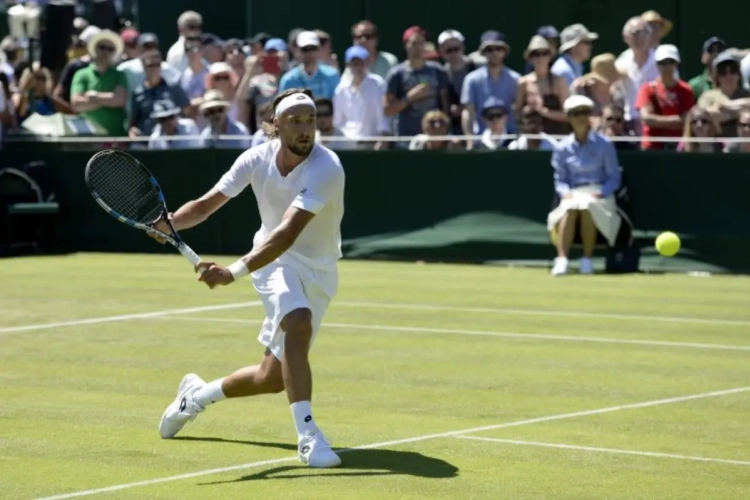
(355, 462)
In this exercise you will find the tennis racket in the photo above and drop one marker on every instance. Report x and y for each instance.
(127, 191)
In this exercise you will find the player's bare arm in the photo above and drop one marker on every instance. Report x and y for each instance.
(278, 241)
(192, 213)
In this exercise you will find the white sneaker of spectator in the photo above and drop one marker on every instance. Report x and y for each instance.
(560, 267)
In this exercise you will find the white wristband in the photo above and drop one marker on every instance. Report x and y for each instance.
(238, 270)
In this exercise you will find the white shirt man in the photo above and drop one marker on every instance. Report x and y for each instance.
(358, 100)
(299, 187)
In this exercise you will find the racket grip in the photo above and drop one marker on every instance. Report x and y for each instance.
(190, 255)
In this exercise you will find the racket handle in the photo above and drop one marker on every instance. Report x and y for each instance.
(191, 256)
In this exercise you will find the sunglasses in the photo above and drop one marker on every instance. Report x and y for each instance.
(105, 48)
(699, 121)
(309, 48)
(615, 119)
(583, 112)
(493, 48)
(221, 78)
(213, 112)
(451, 50)
(540, 53)
(152, 64)
(666, 62)
(495, 116)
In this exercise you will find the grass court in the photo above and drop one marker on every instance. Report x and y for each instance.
(451, 382)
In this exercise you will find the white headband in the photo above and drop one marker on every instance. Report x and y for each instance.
(293, 100)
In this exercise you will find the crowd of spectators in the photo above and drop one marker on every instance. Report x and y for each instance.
(203, 90)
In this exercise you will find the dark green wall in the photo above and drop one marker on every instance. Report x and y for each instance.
(704, 198)
(519, 20)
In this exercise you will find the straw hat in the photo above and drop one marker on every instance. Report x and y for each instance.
(603, 69)
(651, 16)
(538, 42)
(105, 36)
(214, 99)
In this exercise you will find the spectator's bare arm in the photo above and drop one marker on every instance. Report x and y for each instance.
(468, 116)
(654, 120)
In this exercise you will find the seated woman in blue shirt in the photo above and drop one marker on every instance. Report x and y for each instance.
(35, 95)
(586, 174)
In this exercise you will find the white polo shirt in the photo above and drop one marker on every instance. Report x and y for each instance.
(316, 185)
(358, 111)
(635, 77)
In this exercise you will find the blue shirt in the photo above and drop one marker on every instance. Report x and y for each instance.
(567, 68)
(593, 162)
(478, 87)
(233, 128)
(142, 103)
(323, 82)
(401, 79)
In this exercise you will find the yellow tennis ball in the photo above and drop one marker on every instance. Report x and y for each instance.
(668, 243)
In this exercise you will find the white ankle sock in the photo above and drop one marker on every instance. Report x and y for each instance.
(302, 414)
(209, 393)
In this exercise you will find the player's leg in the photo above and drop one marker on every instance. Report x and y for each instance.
(298, 328)
(194, 395)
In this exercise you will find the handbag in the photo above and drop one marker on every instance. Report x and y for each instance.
(622, 259)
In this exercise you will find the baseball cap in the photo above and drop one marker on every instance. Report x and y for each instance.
(714, 40)
(356, 52)
(129, 36)
(308, 39)
(275, 44)
(494, 103)
(211, 39)
(260, 38)
(548, 31)
(728, 55)
(450, 35)
(88, 33)
(666, 52)
(411, 31)
(148, 38)
(577, 101)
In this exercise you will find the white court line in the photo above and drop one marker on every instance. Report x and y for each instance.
(605, 450)
(454, 331)
(125, 317)
(415, 439)
(543, 312)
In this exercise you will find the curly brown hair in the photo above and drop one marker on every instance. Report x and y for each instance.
(270, 128)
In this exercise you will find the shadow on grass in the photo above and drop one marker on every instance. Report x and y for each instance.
(355, 463)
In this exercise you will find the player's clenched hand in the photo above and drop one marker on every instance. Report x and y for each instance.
(213, 274)
(162, 226)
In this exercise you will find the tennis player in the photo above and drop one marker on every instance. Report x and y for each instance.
(299, 187)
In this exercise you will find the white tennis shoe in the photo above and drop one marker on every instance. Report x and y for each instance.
(315, 451)
(183, 409)
(560, 267)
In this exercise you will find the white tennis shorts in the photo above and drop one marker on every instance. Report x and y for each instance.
(284, 288)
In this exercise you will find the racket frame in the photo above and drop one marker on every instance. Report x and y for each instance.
(173, 239)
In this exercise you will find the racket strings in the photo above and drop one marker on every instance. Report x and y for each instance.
(126, 188)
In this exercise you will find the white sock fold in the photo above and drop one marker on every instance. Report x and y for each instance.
(303, 420)
(209, 393)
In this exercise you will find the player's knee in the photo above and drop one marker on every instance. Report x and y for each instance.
(273, 382)
(297, 326)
